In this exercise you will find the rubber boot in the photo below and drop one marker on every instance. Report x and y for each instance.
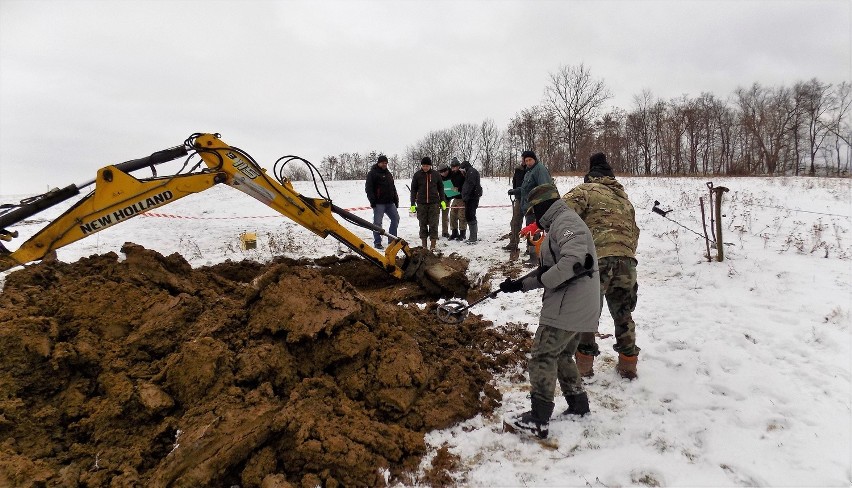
(535, 422)
(577, 404)
(626, 366)
(585, 364)
(454, 235)
(423, 243)
(472, 227)
(434, 245)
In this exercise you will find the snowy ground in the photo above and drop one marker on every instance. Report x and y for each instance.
(746, 364)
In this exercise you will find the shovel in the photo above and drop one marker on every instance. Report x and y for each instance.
(455, 311)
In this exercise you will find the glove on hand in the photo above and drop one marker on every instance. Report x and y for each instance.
(413, 209)
(511, 286)
(514, 191)
(529, 230)
(443, 205)
(372, 205)
(541, 271)
(585, 266)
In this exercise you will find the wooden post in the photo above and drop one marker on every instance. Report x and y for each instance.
(720, 250)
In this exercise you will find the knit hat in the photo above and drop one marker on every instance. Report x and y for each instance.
(455, 162)
(426, 161)
(543, 193)
(443, 167)
(598, 167)
(528, 154)
(382, 159)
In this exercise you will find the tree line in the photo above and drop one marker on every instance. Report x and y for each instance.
(803, 129)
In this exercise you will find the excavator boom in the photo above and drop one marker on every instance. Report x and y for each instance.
(118, 196)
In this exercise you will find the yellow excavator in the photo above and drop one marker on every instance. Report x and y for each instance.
(118, 196)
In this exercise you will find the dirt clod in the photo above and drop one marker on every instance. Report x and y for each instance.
(146, 372)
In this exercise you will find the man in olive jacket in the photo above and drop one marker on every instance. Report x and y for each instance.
(570, 306)
(604, 206)
(427, 199)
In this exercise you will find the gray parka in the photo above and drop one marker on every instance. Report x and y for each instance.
(577, 306)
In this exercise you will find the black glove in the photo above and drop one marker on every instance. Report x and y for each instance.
(511, 286)
(372, 205)
(585, 266)
(541, 270)
(515, 191)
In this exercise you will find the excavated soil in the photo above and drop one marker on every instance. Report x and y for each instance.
(147, 372)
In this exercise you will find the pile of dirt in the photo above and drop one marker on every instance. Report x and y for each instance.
(146, 372)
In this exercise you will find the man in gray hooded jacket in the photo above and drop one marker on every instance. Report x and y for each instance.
(570, 305)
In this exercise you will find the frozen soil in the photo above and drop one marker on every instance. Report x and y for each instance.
(147, 372)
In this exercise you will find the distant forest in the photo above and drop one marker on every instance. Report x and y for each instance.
(800, 130)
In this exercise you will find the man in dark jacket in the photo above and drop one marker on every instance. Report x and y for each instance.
(570, 305)
(449, 193)
(381, 192)
(604, 206)
(427, 198)
(517, 216)
(470, 193)
(458, 224)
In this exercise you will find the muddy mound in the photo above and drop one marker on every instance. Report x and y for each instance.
(146, 372)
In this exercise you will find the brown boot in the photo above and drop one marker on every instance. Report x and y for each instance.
(423, 243)
(585, 363)
(626, 366)
(434, 244)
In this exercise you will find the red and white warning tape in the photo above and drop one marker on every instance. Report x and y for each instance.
(194, 217)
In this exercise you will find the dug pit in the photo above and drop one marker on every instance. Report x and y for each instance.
(147, 372)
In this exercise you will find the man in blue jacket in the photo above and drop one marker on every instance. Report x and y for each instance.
(536, 175)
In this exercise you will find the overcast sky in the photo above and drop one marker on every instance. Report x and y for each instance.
(84, 84)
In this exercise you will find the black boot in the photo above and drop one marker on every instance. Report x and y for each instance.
(535, 422)
(462, 235)
(473, 228)
(454, 235)
(577, 404)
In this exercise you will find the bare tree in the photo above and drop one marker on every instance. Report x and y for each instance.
(641, 126)
(464, 142)
(840, 125)
(489, 141)
(574, 99)
(767, 114)
(816, 104)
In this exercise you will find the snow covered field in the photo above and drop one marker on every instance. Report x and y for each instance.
(746, 364)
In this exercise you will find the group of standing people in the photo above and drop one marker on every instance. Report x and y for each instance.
(450, 195)
(587, 255)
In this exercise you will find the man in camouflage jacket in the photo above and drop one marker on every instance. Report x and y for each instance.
(604, 206)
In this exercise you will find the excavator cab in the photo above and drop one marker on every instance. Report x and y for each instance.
(119, 196)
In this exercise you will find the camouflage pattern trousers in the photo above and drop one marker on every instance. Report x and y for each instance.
(552, 359)
(619, 287)
(428, 215)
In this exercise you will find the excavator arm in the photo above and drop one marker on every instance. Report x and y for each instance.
(118, 196)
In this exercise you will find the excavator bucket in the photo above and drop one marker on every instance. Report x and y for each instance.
(438, 276)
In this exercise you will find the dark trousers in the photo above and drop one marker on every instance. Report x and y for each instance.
(470, 206)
